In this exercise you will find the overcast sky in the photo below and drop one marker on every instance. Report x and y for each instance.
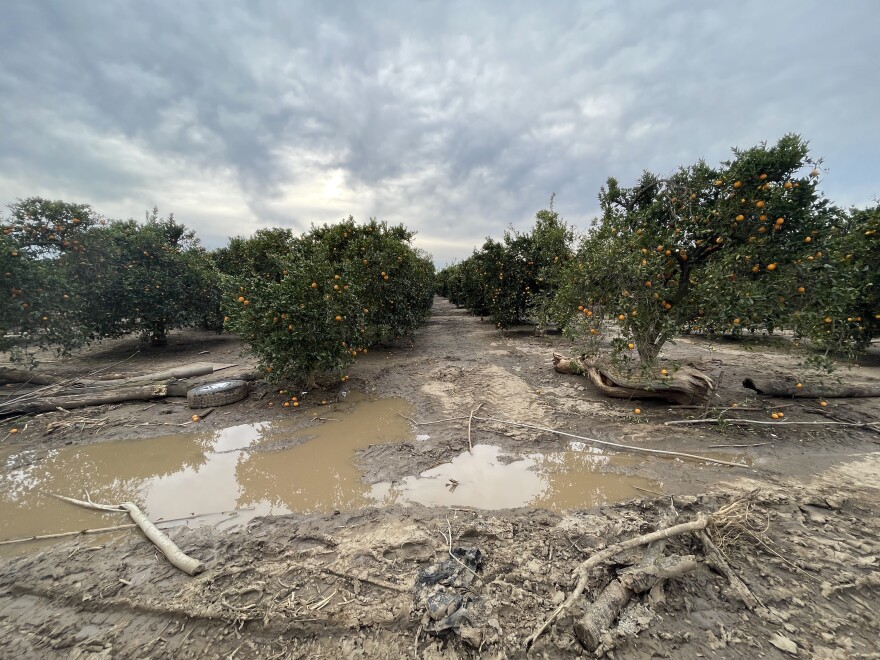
(457, 119)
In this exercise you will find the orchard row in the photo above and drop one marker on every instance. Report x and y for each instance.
(746, 246)
(306, 305)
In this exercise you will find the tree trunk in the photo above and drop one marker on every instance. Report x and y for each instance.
(787, 386)
(29, 404)
(684, 386)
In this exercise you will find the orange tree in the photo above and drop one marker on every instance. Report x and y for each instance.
(706, 248)
(339, 288)
(83, 278)
(38, 308)
(837, 283)
(146, 278)
(260, 255)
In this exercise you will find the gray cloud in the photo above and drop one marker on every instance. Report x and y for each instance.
(456, 118)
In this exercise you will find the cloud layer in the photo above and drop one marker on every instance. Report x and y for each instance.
(458, 119)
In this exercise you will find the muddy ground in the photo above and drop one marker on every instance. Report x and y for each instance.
(353, 583)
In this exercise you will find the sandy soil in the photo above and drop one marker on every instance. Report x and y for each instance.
(353, 583)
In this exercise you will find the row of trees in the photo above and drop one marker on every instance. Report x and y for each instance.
(748, 245)
(304, 304)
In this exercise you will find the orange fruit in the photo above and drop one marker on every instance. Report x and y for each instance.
(241, 299)
(296, 404)
(799, 386)
(621, 317)
(781, 415)
(718, 182)
(648, 283)
(774, 415)
(338, 318)
(286, 404)
(195, 418)
(13, 430)
(801, 289)
(664, 372)
(637, 411)
(314, 285)
(827, 319)
(814, 173)
(336, 277)
(740, 217)
(823, 403)
(808, 239)
(763, 177)
(737, 184)
(736, 321)
(762, 218)
(787, 185)
(630, 346)
(771, 266)
(760, 204)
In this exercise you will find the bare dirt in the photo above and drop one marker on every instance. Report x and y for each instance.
(354, 578)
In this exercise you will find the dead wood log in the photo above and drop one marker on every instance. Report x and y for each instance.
(607, 607)
(13, 375)
(583, 571)
(47, 402)
(175, 555)
(787, 386)
(684, 386)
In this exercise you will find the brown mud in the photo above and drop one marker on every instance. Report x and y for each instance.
(373, 497)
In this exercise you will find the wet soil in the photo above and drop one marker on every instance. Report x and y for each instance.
(338, 575)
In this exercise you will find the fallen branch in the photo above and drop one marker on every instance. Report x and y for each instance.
(788, 387)
(61, 535)
(661, 452)
(583, 571)
(716, 560)
(757, 422)
(174, 554)
(470, 423)
(872, 426)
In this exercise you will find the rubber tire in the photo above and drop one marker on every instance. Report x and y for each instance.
(221, 393)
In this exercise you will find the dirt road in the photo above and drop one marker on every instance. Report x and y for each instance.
(340, 582)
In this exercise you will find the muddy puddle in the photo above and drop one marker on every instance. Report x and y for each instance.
(226, 477)
(488, 478)
(232, 475)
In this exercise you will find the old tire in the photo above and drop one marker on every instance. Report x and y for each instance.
(217, 394)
